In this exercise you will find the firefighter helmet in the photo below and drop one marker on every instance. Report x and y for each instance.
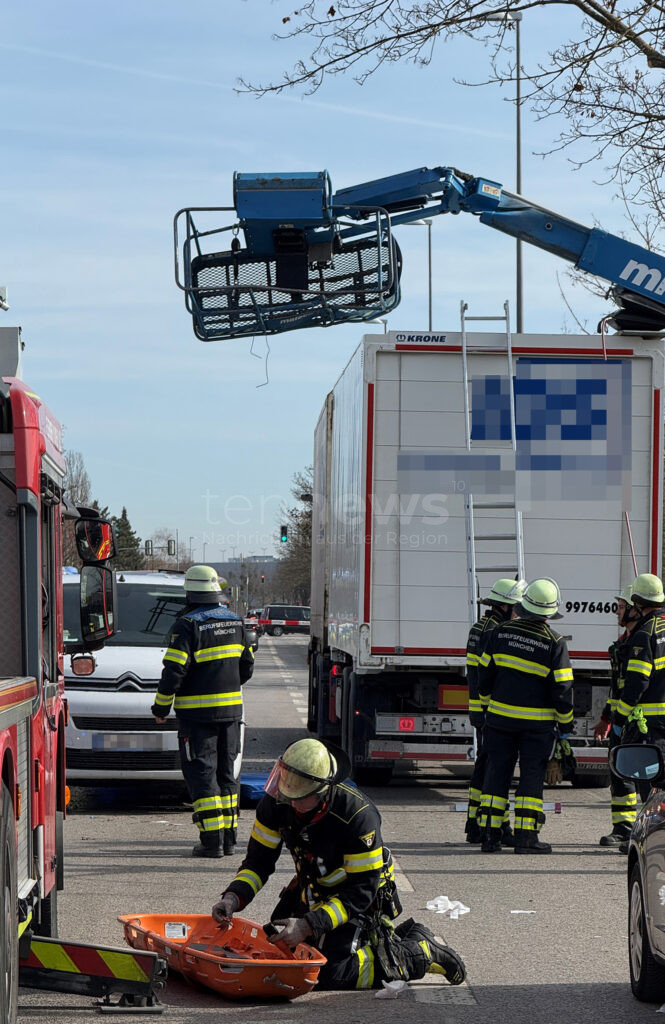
(541, 597)
(505, 592)
(626, 595)
(648, 588)
(307, 768)
(202, 584)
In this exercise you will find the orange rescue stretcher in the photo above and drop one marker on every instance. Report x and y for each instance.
(238, 961)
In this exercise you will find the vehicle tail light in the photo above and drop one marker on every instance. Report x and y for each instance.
(407, 724)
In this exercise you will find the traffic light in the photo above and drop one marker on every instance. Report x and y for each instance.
(148, 548)
(284, 534)
(263, 577)
(170, 547)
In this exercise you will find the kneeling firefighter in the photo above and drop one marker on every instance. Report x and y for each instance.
(343, 897)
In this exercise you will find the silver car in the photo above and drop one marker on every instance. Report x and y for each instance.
(111, 734)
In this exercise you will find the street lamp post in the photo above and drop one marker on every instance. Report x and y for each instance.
(190, 548)
(514, 18)
(205, 544)
(426, 222)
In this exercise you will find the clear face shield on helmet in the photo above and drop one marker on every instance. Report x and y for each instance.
(301, 791)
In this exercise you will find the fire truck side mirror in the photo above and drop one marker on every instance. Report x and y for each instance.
(97, 606)
(94, 539)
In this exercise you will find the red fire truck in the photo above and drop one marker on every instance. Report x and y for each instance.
(33, 708)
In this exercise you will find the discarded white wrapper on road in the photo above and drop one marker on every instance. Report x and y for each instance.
(442, 905)
(390, 990)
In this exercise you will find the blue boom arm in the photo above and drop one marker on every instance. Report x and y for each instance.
(314, 258)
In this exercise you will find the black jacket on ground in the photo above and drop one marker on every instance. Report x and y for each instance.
(205, 665)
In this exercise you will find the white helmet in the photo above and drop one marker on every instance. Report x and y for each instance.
(203, 585)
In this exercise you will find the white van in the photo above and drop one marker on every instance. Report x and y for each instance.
(111, 734)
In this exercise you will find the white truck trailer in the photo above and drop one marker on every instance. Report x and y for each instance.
(443, 461)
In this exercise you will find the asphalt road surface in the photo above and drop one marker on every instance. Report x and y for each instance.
(544, 942)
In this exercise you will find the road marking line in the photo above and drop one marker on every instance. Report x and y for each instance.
(431, 990)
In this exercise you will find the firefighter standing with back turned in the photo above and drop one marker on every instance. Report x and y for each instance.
(639, 714)
(622, 791)
(343, 897)
(525, 682)
(205, 665)
(502, 598)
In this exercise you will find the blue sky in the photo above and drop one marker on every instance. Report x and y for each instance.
(117, 114)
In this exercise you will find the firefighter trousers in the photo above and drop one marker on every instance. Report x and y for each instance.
(503, 748)
(476, 782)
(353, 962)
(623, 796)
(208, 754)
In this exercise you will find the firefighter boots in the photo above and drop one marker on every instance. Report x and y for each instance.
(507, 836)
(526, 841)
(615, 837)
(229, 841)
(214, 852)
(492, 841)
(474, 833)
(439, 958)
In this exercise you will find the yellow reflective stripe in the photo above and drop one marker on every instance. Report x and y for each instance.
(250, 878)
(214, 653)
(122, 965)
(533, 802)
(164, 699)
(562, 675)
(484, 659)
(515, 711)
(264, 835)
(370, 861)
(206, 802)
(174, 655)
(339, 875)
(612, 702)
(521, 664)
(54, 957)
(472, 659)
(564, 719)
(209, 700)
(484, 700)
(623, 708)
(659, 663)
(365, 967)
(643, 667)
(335, 910)
(475, 705)
(24, 924)
(653, 709)
(625, 801)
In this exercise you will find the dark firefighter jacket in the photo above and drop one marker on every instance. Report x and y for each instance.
(644, 679)
(525, 678)
(340, 859)
(475, 646)
(205, 664)
(618, 653)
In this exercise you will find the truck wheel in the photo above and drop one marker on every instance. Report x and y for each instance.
(590, 780)
(647, 976)
(8, 912)
(277, 631)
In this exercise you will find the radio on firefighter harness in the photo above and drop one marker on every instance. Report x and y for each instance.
(315, 258)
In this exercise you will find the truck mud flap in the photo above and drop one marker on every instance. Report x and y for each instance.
(87, 969)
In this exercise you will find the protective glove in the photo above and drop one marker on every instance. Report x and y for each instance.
(477, 719)
(223, 911)
(553, 773)
(294, 930)
(601, 729)
(616, 729)
(158, 713)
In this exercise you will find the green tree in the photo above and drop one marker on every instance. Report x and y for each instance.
(128, 544)
(293, 575)
(603, 85)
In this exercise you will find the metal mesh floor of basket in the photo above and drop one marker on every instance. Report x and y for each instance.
(237, 962)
